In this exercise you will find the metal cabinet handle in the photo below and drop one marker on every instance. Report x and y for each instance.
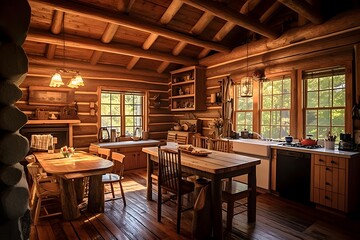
(333, 162)
(321, 160)
(327, 183)
(326, 197)
(327, 169)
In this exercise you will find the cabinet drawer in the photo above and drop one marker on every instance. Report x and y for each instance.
(319, 159)
(335, 162)
(329, 199)
(329, 179)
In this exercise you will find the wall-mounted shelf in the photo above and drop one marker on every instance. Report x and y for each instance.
(188, 89)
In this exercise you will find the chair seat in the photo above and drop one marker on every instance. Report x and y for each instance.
(110, 177)
(234, 188)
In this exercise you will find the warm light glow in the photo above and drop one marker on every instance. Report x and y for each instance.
(56, 80)
(79, 81)
(246, 87)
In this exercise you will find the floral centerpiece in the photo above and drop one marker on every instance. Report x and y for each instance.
(217, 124)
(67, 151)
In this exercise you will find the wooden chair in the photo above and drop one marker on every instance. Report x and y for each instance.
(93, 149)
(171, 137)
(104, 153)
(200, 141)
(43, 190)
(171, 181)
(222, 145)
(182, 140)
(233, 191)
(116, 175)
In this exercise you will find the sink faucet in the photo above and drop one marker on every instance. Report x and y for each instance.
(258, 135)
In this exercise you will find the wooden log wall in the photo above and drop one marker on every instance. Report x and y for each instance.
(327, 52)
(159, 118)
(14, 193)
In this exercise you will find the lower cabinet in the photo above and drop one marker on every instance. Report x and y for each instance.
(329, 181)
(134, 157)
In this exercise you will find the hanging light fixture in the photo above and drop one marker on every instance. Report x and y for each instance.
(246, 83)
(56, 79)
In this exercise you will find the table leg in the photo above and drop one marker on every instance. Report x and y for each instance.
(96, 194)
(79, 188)
(252, 195)
(217, 210)
(150, 169)
(69, 204)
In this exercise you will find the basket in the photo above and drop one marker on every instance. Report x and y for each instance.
(41, 114)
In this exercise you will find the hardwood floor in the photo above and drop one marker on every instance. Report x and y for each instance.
(276, 219)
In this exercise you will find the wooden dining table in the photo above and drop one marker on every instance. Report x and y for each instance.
(70, 172)
(215, 166)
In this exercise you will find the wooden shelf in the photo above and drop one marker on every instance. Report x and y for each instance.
(49, 121)
(187, 89)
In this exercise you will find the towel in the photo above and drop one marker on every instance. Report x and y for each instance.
(41, 141)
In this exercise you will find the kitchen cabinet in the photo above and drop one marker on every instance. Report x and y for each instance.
(134, 158)
(188, 135)
(329, 181)
(188, 89)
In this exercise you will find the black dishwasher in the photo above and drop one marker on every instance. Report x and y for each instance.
(293, 175)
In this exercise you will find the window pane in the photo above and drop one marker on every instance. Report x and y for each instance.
(129, 109)
(105, 98)
(311, 130)
(312, 84)
(137, 109)
(105, 109)
(338, 117)
(339, 97)
(138, 122)
(115, 121)
(129, 121)
(265, 118)
(277, 87)
(129, 131)
(323, 131)
(275, 117)
(285, 118)
(286, 100)
(267, 101)
(137, 99)
(129, 99)
(325, 99)
(324, 117)
(115, 98)
(266, 88)
(105, 121)
(337, 130)
(240, 118)
(325, 83)
(275, 132)
(115, 109)
(265, 131)
(312, 99)
(311, 117)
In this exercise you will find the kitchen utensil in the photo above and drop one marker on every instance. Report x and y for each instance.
(308, 141)
(245, 133)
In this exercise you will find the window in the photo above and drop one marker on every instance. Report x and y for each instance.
(324, 102)
(122, 111)
(243, 111)
(275, 108)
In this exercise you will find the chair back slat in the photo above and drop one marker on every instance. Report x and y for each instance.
(222, 145)
(93, 149)
(104, 153)
(169, 169)
(200, 141)
(118, 160)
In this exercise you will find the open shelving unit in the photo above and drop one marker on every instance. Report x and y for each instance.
(188, 89)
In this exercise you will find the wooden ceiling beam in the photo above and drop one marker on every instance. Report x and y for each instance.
(115, 48)
(269, 12)
(126, 21)
(170, 12)
(335, 26)
(304, 9)
(232, 16)
(80, 65)
(56, 26)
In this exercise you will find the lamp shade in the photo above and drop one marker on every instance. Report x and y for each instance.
(56, 80)
(246, 87)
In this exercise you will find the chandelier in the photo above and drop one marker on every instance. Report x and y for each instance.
(246, 83)
(56, 80)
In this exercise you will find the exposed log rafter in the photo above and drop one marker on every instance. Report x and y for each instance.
(304, 9)
(55, 29)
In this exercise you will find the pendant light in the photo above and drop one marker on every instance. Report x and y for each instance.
(246, 83)
(56, 79)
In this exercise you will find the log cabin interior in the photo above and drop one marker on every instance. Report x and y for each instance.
(279, 79)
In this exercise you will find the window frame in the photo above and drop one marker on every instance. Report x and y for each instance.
(122, 108)
(236, 111)
(330, 108)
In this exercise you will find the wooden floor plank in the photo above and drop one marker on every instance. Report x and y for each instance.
(276, 219)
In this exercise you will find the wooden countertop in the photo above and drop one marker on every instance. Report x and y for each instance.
(140, 143)
(322, 151)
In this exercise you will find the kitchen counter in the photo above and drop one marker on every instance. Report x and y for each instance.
(322, 151)
(142, 143)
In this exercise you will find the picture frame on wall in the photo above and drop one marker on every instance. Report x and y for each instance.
(50, 96)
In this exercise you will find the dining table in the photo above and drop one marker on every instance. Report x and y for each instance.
(70, 173)
(214, 166)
